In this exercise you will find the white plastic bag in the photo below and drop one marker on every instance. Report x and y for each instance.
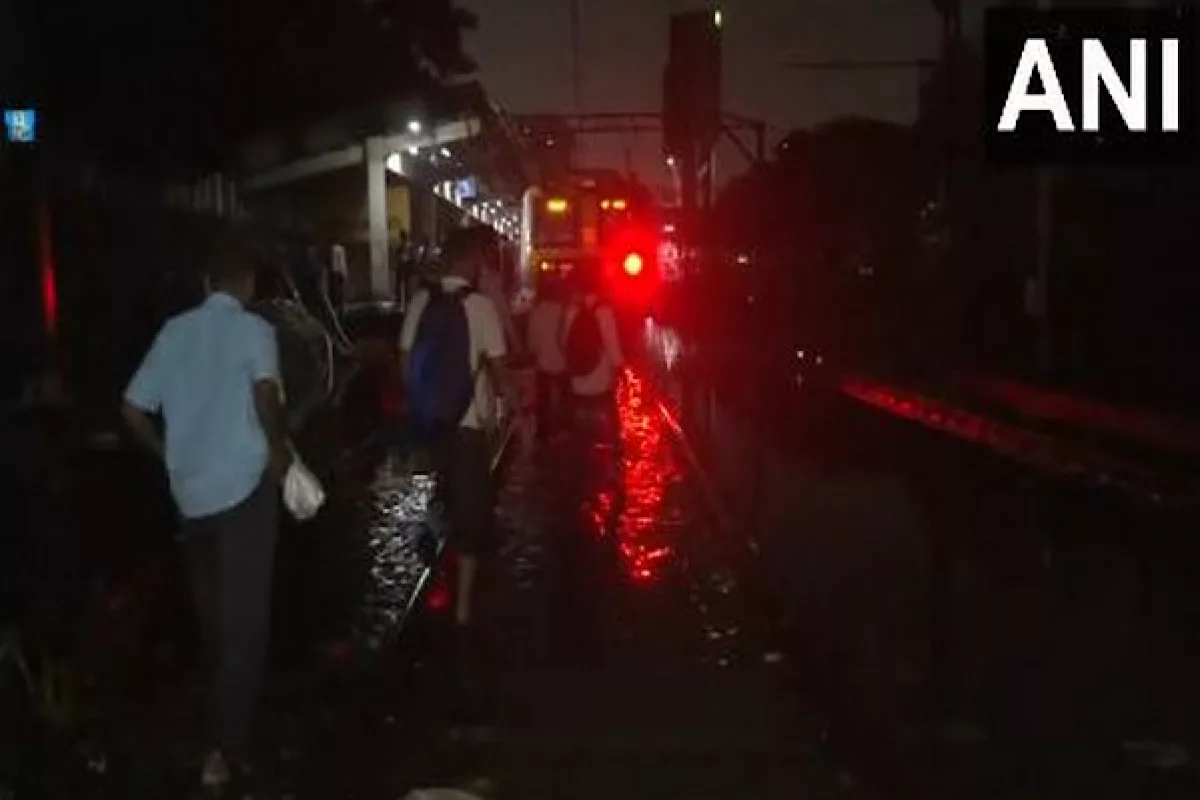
(302, 492)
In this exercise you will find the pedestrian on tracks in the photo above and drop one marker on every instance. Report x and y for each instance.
(591, 344)
(212, 374)
(455, 360)
(545, 324)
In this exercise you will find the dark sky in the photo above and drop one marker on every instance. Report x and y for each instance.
(523, 50)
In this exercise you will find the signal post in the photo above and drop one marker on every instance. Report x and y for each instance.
(691, 111)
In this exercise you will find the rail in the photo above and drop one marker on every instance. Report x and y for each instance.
(420, 542)
(1047, 405)
(1068, 461)
(1045, 452)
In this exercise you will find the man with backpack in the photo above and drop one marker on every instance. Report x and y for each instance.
(592, 347)
(454, 359)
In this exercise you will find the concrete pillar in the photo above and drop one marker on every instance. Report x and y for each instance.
(429, 213)
(377, 220)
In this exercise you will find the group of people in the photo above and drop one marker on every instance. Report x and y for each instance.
(212, 374)
(574, 341)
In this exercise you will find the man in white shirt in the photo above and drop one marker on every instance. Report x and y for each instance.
(593, 380)
(465, 459)
(545, 328)
(339, 276)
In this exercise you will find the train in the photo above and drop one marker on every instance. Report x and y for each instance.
(598, 216)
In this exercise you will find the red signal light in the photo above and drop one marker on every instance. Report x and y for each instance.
(633, 264)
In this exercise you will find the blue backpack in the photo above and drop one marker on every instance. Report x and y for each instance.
(441, 381)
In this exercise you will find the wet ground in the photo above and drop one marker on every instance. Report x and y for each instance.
(1047, 625)
(633, 613)
(630, 657)
(634, 661)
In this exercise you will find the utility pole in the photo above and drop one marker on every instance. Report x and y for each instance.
(576, 64)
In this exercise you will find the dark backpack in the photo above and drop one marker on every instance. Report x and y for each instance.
(584, 346)
(441, 381)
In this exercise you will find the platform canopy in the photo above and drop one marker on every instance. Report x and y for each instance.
(459, 139)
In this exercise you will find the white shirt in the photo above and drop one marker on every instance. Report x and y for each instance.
(487, 339)
(545, 324)
(604, 377)
(337, 261)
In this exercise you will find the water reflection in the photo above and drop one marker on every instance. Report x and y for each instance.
(403, 537)
(647, 467)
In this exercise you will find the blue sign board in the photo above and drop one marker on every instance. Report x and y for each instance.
(465, 189)
(20, 125)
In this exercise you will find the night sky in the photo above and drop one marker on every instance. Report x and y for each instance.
(523, 50)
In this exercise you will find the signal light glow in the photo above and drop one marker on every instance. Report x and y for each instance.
(556, 205)
(633, 264)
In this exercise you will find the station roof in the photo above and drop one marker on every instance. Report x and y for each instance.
(459, 132)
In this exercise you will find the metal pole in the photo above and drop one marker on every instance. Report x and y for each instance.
(576, 58)
(576, 73)
(938, 540)
(1046, 179)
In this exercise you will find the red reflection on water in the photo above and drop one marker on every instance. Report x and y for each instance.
(647, 467)
(598, 510)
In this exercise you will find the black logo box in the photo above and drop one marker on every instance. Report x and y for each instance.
(1036, 141)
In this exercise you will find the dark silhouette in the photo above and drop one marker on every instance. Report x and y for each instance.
(189, 102)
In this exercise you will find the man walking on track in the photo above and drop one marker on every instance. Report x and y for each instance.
(592, 346)
(454, 359)
(213, 375)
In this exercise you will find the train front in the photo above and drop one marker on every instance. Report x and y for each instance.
(586, 220)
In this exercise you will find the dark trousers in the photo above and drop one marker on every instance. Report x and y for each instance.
(551, 401)
(465, 463)
(231, 557)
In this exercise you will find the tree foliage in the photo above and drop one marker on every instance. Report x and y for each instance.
(184, 82)
(838, 192)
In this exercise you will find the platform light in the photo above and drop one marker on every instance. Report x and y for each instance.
(414, 150)
(718, 19)
(619, 204)
(445, 152)
(605, 204)
(670, 161)
(414, 126)
(556, 205)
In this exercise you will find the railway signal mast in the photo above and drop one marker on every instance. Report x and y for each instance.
(691, 110)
